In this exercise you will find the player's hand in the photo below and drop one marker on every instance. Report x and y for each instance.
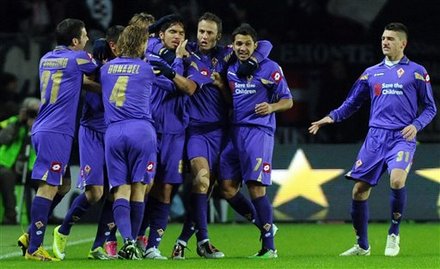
(167, 55)
(101, 50)
(409, 132)
(314, 127)
(246, 68)
(162, 69)
(181, 49)
(263, 109)
(217, 80)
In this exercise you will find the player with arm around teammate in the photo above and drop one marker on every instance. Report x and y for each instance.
(248, 155)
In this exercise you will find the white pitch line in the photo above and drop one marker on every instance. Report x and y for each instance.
(73, 243)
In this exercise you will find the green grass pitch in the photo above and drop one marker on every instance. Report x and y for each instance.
(299, 246)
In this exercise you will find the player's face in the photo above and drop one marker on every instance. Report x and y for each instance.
(207, 35)
(393, 44)
(243, 46)
(82, 41)
(172, 36)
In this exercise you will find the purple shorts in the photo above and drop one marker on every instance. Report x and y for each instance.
(382, 150)
(130, 152)
(230, 163)
(91, 157)
(205, 143)
(254, 148)
(170, 158)
(53, 154)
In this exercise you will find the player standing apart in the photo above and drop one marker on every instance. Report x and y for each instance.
(396, 87)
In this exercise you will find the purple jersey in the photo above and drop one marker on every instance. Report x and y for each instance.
(126, 83)
(395, 92)
(61, 77)
(266, 85)
(168, 103)
(93, 112)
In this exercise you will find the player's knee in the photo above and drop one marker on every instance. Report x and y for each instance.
(361, 191)
(397, 183)
(94, 194)
(228, 191)
(201, 181)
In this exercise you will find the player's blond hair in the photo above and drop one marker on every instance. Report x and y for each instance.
(132, 42)
(142, 20)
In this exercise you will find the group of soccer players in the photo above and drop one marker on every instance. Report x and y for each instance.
(159, 100)
(155, 102)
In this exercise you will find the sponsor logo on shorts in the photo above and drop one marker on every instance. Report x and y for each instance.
(150, 167)
(358, 163)
(266, 167)
(56, 167)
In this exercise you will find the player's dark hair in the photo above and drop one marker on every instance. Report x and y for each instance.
(245, 29)
(208, 16)
(175, 20)
(67, 30)
(397, 27)
(113, 33)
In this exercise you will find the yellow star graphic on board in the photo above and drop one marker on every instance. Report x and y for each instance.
(431, 174)
(300, 179)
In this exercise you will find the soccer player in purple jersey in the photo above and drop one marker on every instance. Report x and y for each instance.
(130, 138)
(168, 105)
(396, 87)
(207, 110)
(91, 178)
(61, 80)
(248, 155)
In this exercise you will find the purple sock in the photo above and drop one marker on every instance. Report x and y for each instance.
(79, 207)
(264, 208)
(199, 204)
(39, 214)
(359, 216)
(105, 225)
(146, 218)
(188, 228)
(56, 200)
(245, 208)
(398, 202)
(121, 213)
(136, 215)
(158, 223)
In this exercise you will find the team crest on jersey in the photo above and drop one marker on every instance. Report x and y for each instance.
(377, 89)
(56, 167)
(214, 62)
(276, 76)
(266, 167)
(400, 72)
(204, 72)
(150, 167)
